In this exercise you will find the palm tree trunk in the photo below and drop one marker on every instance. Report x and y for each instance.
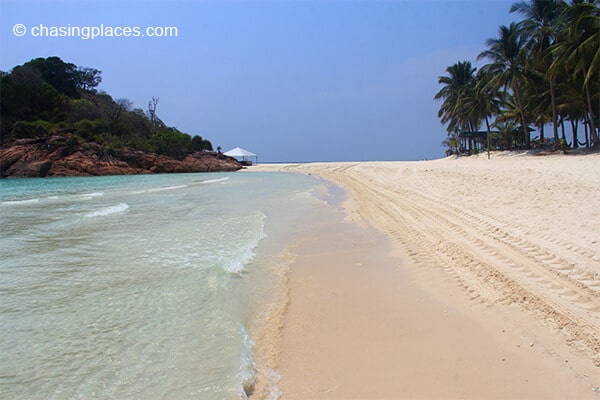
(574, 130)
(585, 131)
(554, 118)
(487, 124)
(594, 134)
(522, 111)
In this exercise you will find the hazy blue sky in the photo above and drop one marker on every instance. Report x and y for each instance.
(289, 80)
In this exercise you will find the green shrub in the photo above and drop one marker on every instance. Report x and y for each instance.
(171, 142)
(562, 144)
(74, 140)
(83, 109)
(199, 144)
(87, 129)
(31, 129)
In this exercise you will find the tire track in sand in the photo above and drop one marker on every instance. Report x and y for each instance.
(491, 259)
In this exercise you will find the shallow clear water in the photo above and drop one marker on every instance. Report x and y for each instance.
(142, 286)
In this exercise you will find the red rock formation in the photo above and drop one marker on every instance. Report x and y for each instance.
(53, 157)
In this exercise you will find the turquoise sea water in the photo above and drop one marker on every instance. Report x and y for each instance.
(143, 287)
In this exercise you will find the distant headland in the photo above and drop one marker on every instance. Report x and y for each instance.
(54, 122)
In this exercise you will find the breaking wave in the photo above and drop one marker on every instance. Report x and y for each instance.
(215, 180)
(242, 243)
(162, 189)
(103, 212)
(19, 202)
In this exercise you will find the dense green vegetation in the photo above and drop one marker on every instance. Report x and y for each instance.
(47, 96)
(542, 73)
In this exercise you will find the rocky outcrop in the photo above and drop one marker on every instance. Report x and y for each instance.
(54, 156)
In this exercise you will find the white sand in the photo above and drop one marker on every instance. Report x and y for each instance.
(494, 291)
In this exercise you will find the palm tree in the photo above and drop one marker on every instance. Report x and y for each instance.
(457, 89)
(538, 104)
(484, 102)
(508, 134)
(578, 51)
(508, 55)
(452, 143)
(458, 85)
(510, 114)
(540, 25)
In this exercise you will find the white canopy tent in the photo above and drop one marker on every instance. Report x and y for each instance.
(243, 156)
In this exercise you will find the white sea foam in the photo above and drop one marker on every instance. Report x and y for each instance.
(89, 196)
(162, 189)
(274, 392)
(93, 194)
(215, 180)
(244, 252)
(237, 264)
(103, 212)
(247, 370)
(20, 202)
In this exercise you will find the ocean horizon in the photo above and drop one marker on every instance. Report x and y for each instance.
(146, 286)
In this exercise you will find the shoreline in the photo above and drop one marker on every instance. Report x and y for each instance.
(519, 343)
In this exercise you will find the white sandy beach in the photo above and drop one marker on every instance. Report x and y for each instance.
(480, 279)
